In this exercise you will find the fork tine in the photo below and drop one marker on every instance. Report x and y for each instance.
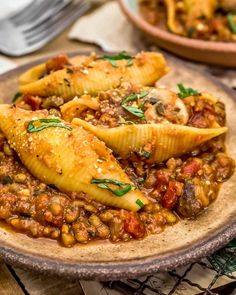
(33, 12)
(44, 17)
(59, 17)
(20, 13)
(43, 9)
(45, 25)
(57, 25)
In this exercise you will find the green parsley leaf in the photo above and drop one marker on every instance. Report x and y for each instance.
(135, 96)
(185, 92)
(121, 56)
(124, 187)
(16, 96)
(231, 18)
(140, 203)
(126, 122)
(145, 154)
(46, 123)
(135, 111)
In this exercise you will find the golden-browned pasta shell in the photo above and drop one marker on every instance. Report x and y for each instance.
(165, 140)
(69, 159)
(146, 69)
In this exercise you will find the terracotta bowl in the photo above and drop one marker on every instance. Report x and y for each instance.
(217, 53)
(180, 244)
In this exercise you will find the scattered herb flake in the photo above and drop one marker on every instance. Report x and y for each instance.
(185, 92)
(134, 96)
(124, 187)
(7, 180)
(145, 154)
(135, 111)
(69, 71)
(46, 123)
(67, 82)
(126, 122)
(123, 55)
(16, 96)
(140, 203)
(231, 18)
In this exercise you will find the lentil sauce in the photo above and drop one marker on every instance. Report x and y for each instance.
(181, 187)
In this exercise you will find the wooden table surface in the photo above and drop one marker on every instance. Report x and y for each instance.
(14, 281)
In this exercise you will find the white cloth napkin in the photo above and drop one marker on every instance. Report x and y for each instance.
(8, 7)
(106, 27)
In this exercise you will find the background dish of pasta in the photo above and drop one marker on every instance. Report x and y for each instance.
(210, 52)
(88, 261)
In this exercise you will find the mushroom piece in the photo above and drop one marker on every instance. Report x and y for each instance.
(164, 106)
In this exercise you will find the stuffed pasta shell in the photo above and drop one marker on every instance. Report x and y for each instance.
(150, 121)
(99, 73)
(155, 142)
(68, 157)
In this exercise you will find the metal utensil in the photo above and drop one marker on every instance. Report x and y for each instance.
(37, 24)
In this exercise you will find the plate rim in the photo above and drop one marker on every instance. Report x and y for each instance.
(118, 269)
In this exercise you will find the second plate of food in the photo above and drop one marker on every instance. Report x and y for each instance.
(197, 30)
(107, 174)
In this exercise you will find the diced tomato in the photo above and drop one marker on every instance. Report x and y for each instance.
(33, 101)
(134, 226)
(191, 168)
(57, 63)
(171, 196)
(162, 177)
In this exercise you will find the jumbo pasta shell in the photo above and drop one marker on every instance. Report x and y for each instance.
(67, 157)
(165, 140)
(145, 70)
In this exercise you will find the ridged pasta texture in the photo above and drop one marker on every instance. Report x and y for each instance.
(162, 140)
(68, 157)
(99, 75)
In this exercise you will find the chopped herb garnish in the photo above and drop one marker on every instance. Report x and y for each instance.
(135, 111)
(140, 203)
(7, 180)
(185, 92)
(113, 58)
(124, 187)
(16, 96)
(231, 18)
(69, 71)
(134, 96)
(67, 82)
(46, 123)
(145, 154)
(126, 122)
(129, 63)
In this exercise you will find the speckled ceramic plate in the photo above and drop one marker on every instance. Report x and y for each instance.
(218, 53)
(185, 242)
